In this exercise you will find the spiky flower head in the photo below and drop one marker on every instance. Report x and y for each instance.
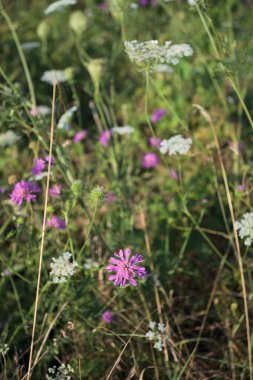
(24, 190)
(97, 195)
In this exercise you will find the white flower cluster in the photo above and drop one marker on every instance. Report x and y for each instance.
(58, 6)
(245, 227)
(61, 373)
(66, 118)
(50, 76)
(8, 138)
(149, 54)
(175, 145)
(62, 268)
(125, 130)
(157, 334)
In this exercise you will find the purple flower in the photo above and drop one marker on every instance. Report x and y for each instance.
(110, 197)
(103, 6)
(56, 222)
(105, 137)
(145, 3)
(173, 174)
(155, 142)
(107, 316)
(55, 191)
(24, 190)
(52, 161)
(150, 160)
(125, 268)
(38, 167)
(79, 136)
(241, 188)
(157, 115)
(2, 189)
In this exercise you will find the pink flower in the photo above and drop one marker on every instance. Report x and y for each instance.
(55, 191)
(24, 190)
(56, 222)
(79, 136)
(241, 188)
(145, 3)
(110, 197)
(125, 268)
(107, 316)
(38, 167)
(174, 174)
(52, 161)
(150, 160)
(155, 142)
(157, 115)
(105, 137)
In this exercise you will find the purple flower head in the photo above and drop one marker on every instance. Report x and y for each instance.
(52, 160)
(173, 174)
(145, 3)
(150, 160)
(157, 115)
(105, 137)
(56, 222)
(110, 197)
(241, 188)
(79, 136)
(55, 191)
(107, 316)
(38, 167)
(155, 142)
(24, 190)
(125, 268)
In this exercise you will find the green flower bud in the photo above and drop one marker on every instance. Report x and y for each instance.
(97, 195)
(43, 30)
(95, 67)
(76, 188)
(78, 22)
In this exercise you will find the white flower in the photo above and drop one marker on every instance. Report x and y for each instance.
(150, 335)
(126, 130)
(157, 335)
(158, 345)
(161, 327)
(58, 6)
(163, 68)
(152, 325)
(149, 54)
(50, 76)
(61, 373)
(8, 138)
(62, 268)
(245, 227)
(192, 2)
(176, 145)
(65, 119)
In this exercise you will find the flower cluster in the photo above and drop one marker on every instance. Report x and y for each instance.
(125, 268)
(157, 335)
(62, 268)
(245, 228)
(24, 190)
(61, 373)
(176, 145)
(51, 76)
(148, 54)
(56, 222)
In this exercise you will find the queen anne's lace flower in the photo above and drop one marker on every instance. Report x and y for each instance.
(157, 335)
(125, 130)
(245, 228)
(176, 145)
(61, 373)
(149, 54)
(62, 268)
(51, 76)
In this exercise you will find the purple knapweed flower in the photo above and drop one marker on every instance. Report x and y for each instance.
(241, 188)
(52, 160)
(56, 222)
(155, 142)
(150, 160)
(24, 190)
(107, 316)
(79, 136)
(125, 268)
(110, 197)
(38, 167)
(105, 137)
(157, 115)
(173, 174)
(55, 191)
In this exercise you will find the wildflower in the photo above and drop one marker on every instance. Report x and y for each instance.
(58, 6)
(61, 373)
(56, 222)
(66, 118)
(51, 76)
(163, 68)
(38, 167)
(150, 160)
(24, 190)
(110, 197)
(241, 188)
(148, 54)
(145, 3)
(192, 2)
(97, 194)
(8, 138)
(95, 69)
(62, 268)
(173, 174)
(126, 130)
(245, 227)
(47, 158)
(157, 334)
(176, 145)
(155, 142)
(78, 22)
(105, 137)
(107, 316)
(157, 115)
(55, 191)
(76, 188)
(40, 110)
(79, 136)
(125, 268)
